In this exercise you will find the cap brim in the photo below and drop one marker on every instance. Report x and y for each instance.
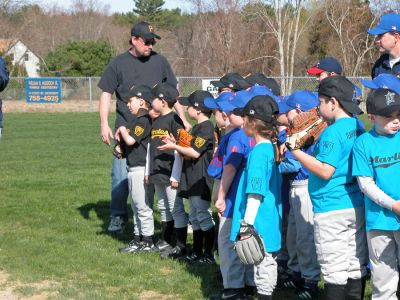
(315, 71)
(283, 107)
(217, 84)
(211, 103)
(369, 83)
(377, 31)
(226, 106)
(184, 101)
(388, 111)
(351, 107)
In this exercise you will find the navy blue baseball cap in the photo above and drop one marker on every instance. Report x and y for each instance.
(233, 81)
(342, 90)
(166, 92)
(385, 81)
(196, 100)
(144, 30)
(383, 102)
(301, 99)
(212, 103)
(387, 23)
(259, 107)
(261, 80)
(141, 91)
(328, 64)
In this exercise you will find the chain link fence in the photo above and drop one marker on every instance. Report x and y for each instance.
(83, 94)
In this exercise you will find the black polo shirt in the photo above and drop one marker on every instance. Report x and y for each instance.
(382, 66)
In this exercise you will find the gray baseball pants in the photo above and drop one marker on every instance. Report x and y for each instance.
(142, 212)
(200, 215)
(341, 244)
(235, 275)
(384, 255)
(170, 205)
(300, 233)
(266, 275)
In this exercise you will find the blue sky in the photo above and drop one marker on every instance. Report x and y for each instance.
(117, 5)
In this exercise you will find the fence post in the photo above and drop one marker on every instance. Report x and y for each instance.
(90, 94)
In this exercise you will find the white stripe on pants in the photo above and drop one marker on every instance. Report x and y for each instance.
(266, 274)
(170, 205)
(200, 215)
(300, 233)
(142, 213)
(341, 244)
(384, 254)
(235, 275)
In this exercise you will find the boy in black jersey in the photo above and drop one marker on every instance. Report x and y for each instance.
(161, 165)
(136, 138)
(195, 183)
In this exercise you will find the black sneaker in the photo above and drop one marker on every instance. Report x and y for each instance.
(172, 252)
(206, 259)
(286, 282)
(192, 258)
(233, 294)
(162, 245)
(131, 247)
(306, 294)
(146, 247)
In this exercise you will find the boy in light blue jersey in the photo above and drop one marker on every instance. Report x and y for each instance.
(258, 196)
(338, 204)
(238, 280)
(376, 163)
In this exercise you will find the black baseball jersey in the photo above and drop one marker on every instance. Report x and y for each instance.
(140, 131)
(195, 180)
(161, 161)
(125, 71)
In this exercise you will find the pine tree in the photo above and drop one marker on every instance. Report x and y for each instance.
(148, 9)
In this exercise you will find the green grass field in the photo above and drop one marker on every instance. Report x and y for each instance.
(54, 211)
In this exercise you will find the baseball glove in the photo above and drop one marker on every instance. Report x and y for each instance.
(249, 245)
(184, 138)
(306, 128)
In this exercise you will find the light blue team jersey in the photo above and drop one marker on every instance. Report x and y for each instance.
(378, 157)
(334, 147)
(261, 176)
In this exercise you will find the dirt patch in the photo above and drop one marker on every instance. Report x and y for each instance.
(64, 106)
(147, 295)
(9, 289)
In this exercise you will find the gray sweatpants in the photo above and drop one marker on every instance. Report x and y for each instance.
(200, 215)
(235, 275)
(266, 275)
(300, 233)
(384, 255)
(170, 205)
(341, 244)
(142, 212)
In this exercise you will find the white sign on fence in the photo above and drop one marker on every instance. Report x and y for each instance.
(207, 86)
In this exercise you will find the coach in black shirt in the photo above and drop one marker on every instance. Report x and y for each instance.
(140, 65)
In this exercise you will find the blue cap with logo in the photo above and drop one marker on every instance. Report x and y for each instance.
(385, 81)
(387, 23)
(302, 99)
(240, 99)
(214, 103)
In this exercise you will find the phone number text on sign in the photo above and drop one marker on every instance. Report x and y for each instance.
(43, 90)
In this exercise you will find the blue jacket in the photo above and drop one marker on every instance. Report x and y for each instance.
(3, 83)
(382, 66)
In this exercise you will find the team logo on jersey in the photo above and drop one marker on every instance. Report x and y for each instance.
(151, 29)
(327, 147)
(158, 133)
(199, 142)
(139, 130)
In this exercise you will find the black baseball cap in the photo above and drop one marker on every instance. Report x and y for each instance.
(328, 64)
(383, 102)
(141, 91)
(234, 81)
(261, 79)
(166, 92)
(342, 89)
(259, 107)
(196, 100)
(144, 30)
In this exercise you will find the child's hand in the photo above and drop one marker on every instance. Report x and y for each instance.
(174, 184)
(220, 205)
(117, 134)
(146, 179)
(396, 207)
(169, 143)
